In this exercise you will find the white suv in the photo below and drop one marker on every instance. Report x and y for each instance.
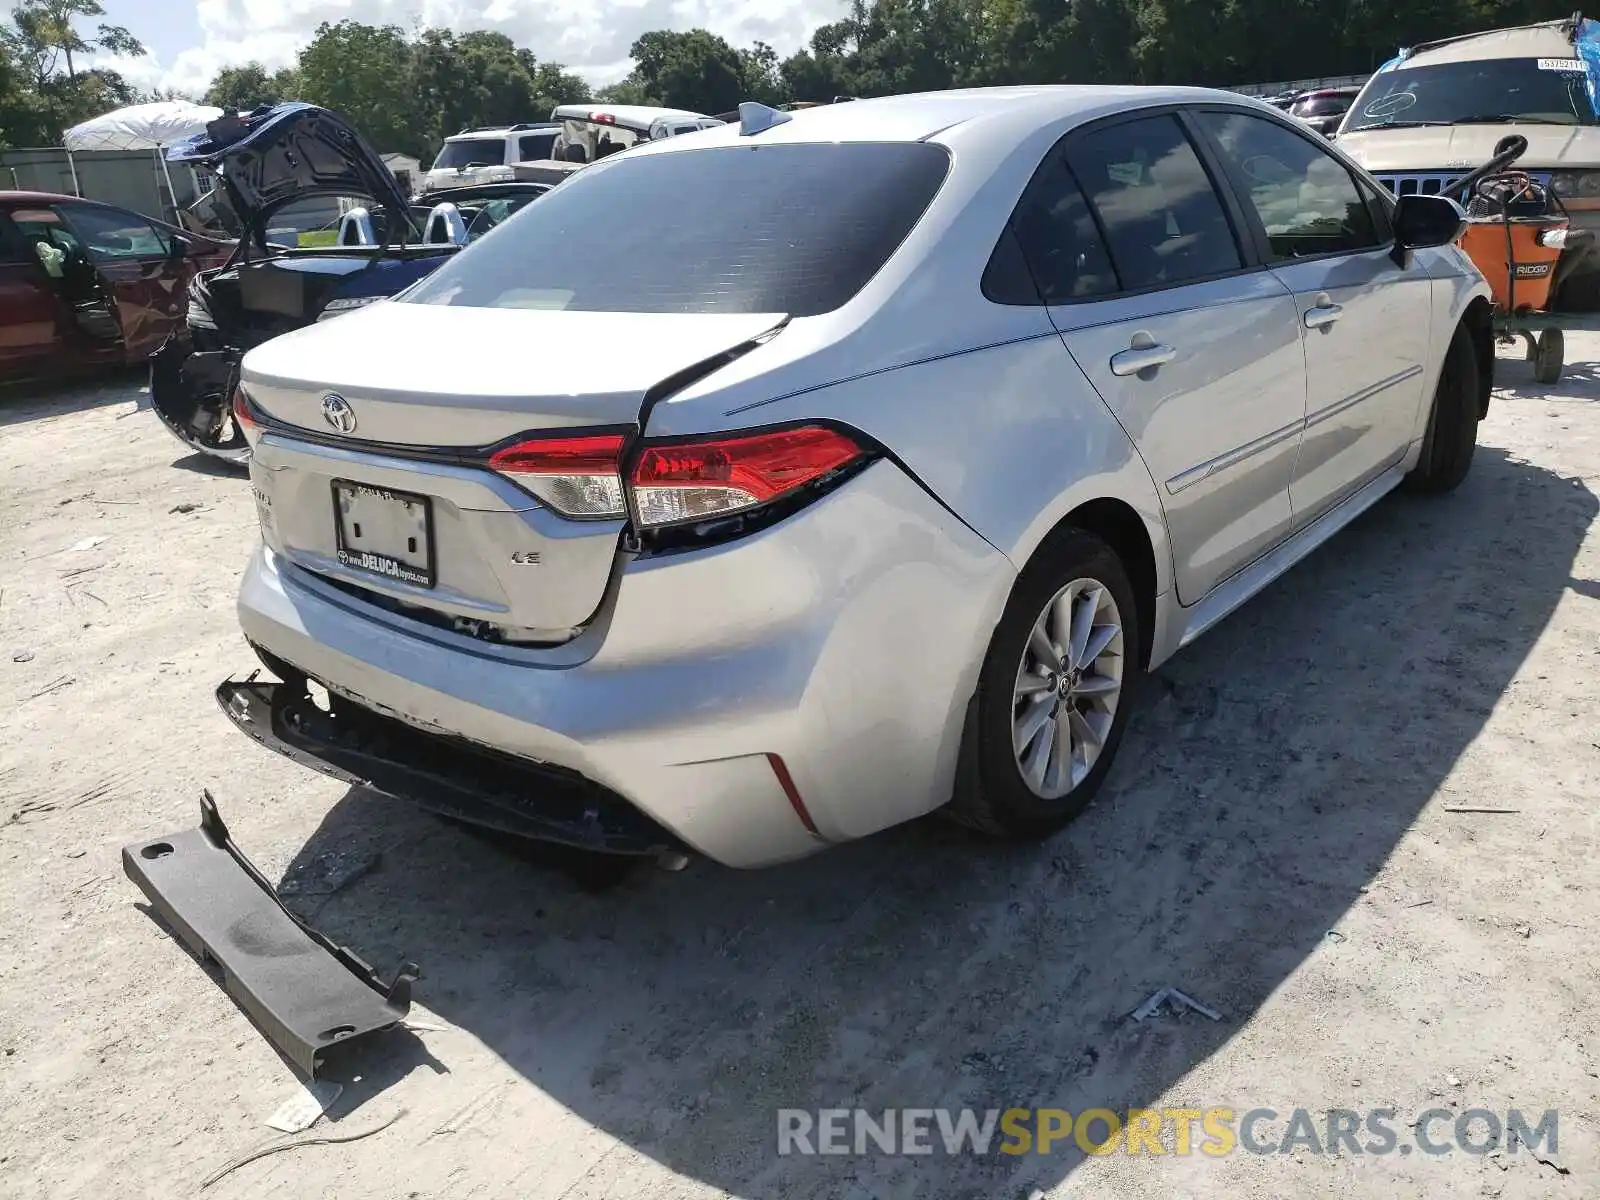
(1440, 109)
(485, 155)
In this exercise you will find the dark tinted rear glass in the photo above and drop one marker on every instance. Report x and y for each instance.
(795, 229)
(1321, 106)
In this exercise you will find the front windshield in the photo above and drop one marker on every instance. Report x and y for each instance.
(1544, 91)
(485, 152)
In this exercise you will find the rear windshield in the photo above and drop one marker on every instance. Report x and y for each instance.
(486, 152)
(786, 228)
(1550, 91)
(1321, 106)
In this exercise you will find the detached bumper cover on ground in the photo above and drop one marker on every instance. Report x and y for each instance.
(303, 991)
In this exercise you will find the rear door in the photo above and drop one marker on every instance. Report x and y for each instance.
(1364, 319)
(30, 310)
(136, 261)
(1193, 347)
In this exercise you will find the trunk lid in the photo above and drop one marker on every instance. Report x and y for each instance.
(422, 391)
(275, 155)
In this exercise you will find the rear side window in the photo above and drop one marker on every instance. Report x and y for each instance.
(1062, 251)
(787, 228)
(1163, 219)
(535, 147)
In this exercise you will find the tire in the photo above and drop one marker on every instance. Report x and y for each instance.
(1452, 424)
(1549, 359)
(993, 796)
(1580, 294)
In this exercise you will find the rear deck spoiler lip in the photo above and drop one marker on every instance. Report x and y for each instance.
(303, 991)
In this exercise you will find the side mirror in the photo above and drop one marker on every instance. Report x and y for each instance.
(181, 247)
(1421, 222)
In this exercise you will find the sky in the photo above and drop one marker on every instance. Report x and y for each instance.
(190, 40)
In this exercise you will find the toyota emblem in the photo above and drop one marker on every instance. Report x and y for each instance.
(336, 411)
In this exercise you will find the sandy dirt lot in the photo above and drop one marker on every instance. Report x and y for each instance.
(1277, 841)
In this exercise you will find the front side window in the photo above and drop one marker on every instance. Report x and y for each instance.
(1307, 201)
(796, 228)
(111, 235)
(1537, 91)
(1163, 218)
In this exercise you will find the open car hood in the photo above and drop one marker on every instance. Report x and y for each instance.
(287, 152)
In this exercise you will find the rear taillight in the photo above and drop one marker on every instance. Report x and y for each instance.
(697, 481)
(576, 476)
(244, 417)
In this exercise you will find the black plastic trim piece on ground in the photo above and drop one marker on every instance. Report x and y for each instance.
(304, 992)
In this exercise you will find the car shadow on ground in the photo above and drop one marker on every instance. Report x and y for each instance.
(1269, 773)
(1514, 380)
(39, 399)
(205, 464)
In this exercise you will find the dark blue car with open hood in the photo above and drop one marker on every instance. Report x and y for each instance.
(267, 163)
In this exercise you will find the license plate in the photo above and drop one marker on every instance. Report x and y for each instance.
(384, 532)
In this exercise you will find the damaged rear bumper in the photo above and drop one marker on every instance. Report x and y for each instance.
(303, 992)
(445, 775)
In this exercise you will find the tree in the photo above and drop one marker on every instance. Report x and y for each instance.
(42, 34)
(43, 87)
(696, 70)
(247, 87)
(364, 73)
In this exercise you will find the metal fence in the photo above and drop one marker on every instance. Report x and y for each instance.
(129, 178)
(1301, 85)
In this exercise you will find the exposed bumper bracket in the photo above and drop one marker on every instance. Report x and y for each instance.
(305, 993)
(445, 775)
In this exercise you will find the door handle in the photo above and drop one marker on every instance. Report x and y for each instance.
(1145, 354)
(1323, 313)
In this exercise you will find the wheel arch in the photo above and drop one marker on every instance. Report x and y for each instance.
(1478, 320)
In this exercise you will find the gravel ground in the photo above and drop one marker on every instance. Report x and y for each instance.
(1277, 840)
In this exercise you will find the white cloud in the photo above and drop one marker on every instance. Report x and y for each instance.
(590, 37)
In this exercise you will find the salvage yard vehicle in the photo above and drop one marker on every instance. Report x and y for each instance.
(1323, 109)
(590, 133)
(876, 495)
(1439, 109)
(476, 156)
(273, 160)
(85, 284)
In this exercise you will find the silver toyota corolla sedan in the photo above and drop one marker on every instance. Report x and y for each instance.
(768, 486)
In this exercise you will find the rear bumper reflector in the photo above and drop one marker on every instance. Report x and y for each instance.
(786, 782)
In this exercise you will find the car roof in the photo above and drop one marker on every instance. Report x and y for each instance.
(46, 198)
(922, 115)
(498, 130)
(641, 114)
(1550, 39)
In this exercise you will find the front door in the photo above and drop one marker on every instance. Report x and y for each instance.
(1197, 355)
(139, 266)
(1364, 320)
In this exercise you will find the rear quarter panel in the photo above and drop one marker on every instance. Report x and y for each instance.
(1011, 437)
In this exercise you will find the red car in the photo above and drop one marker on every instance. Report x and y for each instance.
(84, 284)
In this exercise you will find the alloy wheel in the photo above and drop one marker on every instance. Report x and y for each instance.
(1067, 690)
